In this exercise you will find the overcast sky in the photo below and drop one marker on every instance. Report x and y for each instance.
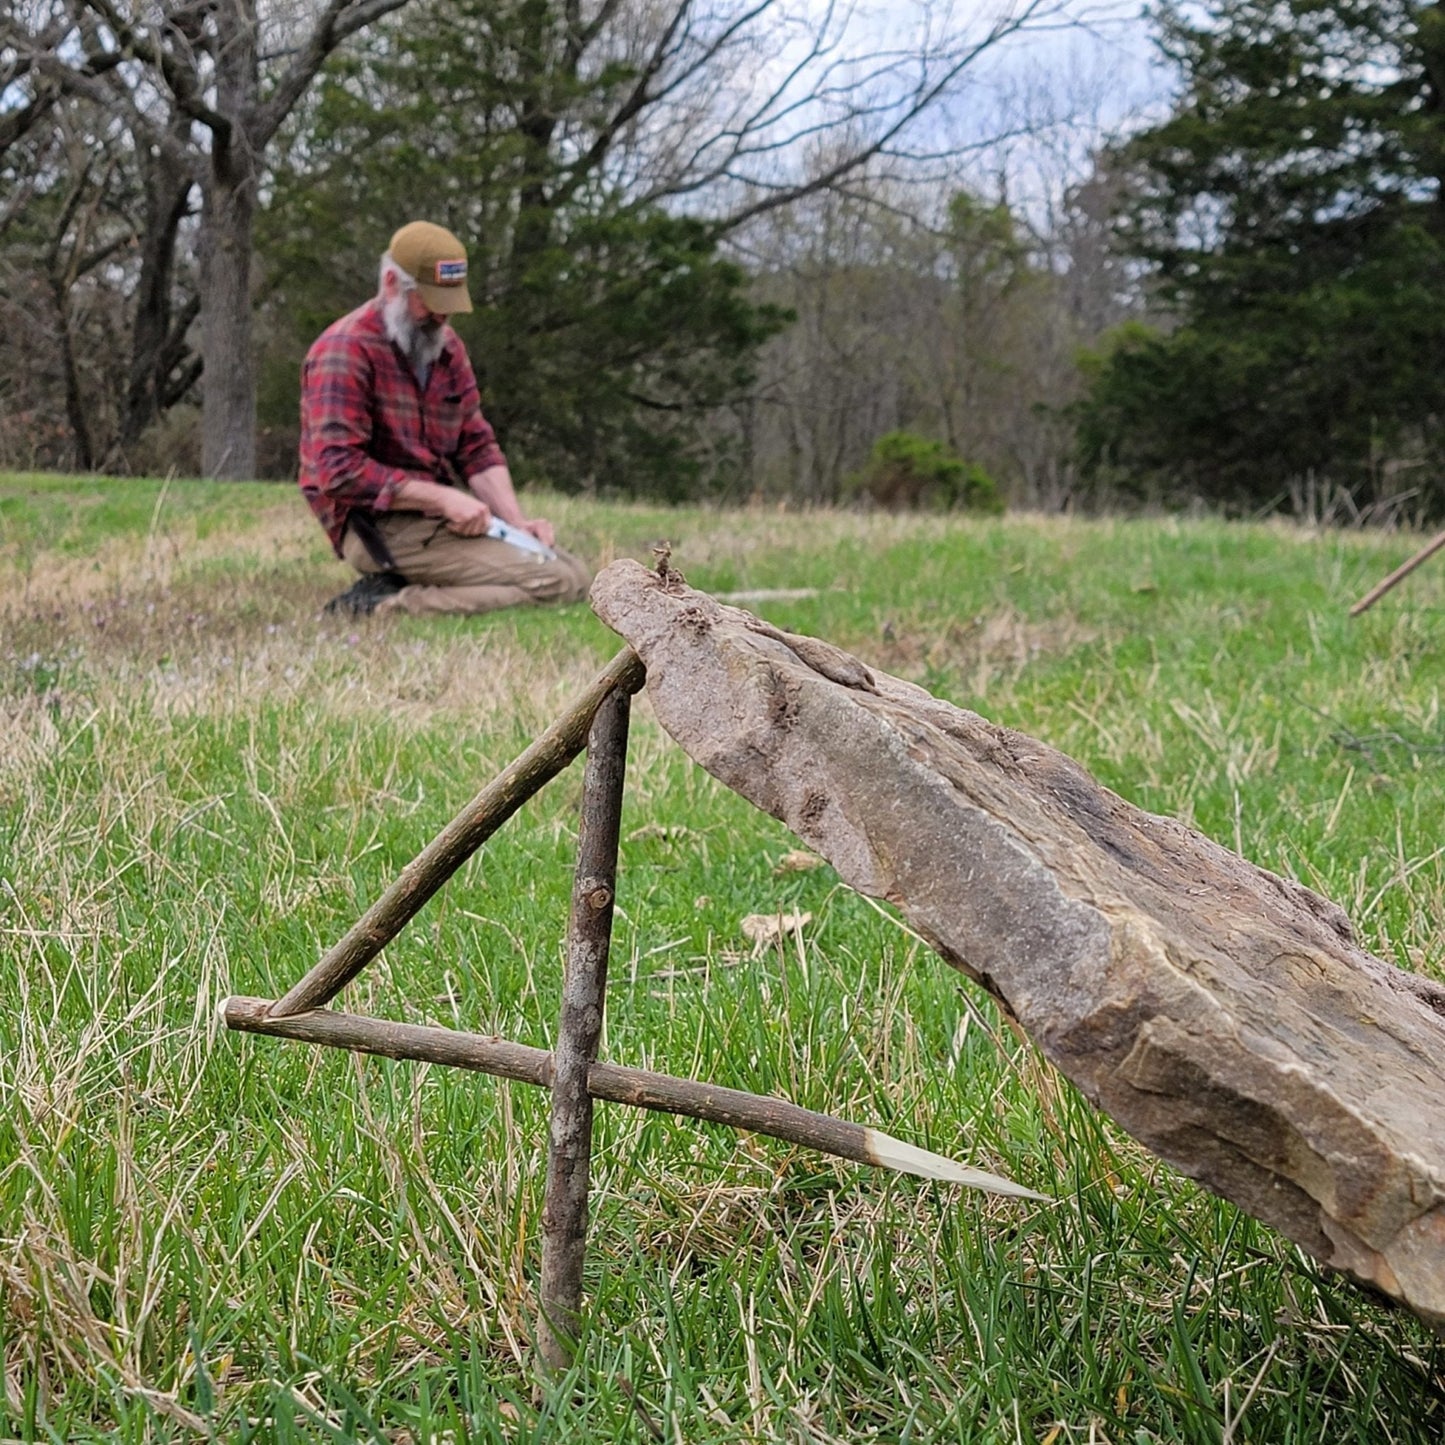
(1031, 109)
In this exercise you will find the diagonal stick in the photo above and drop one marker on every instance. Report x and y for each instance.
(640, 1087)
(1398, 575)
(421, 878)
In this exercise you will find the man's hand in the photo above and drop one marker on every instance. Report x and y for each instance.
(466, 515)
(494, 487)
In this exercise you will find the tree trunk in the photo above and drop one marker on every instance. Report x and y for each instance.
(503, 370)
(228, 427)
(74, 400)
(228, 383)
(1224, 1016)
(151, 356)
(228, 211)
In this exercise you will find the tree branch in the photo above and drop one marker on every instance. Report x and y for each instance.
(340, 20)
(921, 100)
(176, 387)
(180, 76)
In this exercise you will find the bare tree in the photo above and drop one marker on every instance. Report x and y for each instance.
(937, 309)
(745, 108)
(202, 86)
(724, 110)
(948, 298)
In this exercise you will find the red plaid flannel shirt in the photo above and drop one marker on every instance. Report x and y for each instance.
(367, 426)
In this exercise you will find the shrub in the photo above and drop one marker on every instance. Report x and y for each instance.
(905, 470)
(169, 447)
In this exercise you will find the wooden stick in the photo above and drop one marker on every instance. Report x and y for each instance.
(640, 1087)
(1399, 574)
(584, 984)
(421, 878)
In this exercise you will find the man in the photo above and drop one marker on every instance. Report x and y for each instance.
(398, 462)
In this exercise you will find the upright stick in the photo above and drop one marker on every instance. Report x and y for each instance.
(1398, 575)
(589, 936)
(421, 878)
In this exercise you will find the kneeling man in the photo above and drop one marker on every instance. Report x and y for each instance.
(400, 465)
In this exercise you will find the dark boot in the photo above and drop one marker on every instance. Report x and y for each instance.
(361, 599)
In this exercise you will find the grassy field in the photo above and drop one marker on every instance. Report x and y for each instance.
(203, 782)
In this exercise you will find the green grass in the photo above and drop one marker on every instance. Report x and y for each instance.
(202, 784)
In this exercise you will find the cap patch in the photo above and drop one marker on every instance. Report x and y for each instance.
(451, 273)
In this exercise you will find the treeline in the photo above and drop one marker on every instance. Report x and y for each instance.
(715, 251)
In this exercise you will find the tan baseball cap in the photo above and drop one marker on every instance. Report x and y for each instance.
(437, 262)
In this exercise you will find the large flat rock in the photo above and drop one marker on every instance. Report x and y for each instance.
(1222, 1015)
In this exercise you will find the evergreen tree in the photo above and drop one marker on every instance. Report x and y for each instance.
(606, 326)
(1290, 211)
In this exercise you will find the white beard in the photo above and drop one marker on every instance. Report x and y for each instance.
(420, 342)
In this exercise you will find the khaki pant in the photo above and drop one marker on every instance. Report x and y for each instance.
(448, 573)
